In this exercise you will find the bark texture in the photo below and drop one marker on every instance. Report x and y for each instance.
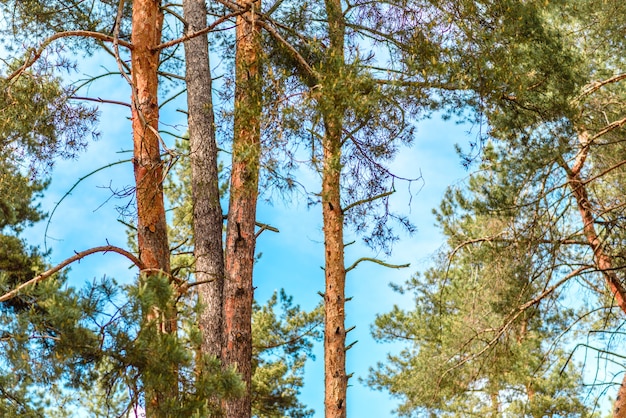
(335, 378)
(147, 21)
(603, 261)
(151, 225)
(619, 408)
(207, 211)
(240, 233)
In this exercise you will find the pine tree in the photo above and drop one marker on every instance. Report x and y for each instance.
(485, 335)
(536, 88)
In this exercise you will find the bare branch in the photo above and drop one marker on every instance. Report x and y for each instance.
(597, 85)
(200, 32)
(76, 257)
(45, 234)
(35, 54)
(264, 227)
(608, 128)
(368, 200)
(377, 261)
(100, 100)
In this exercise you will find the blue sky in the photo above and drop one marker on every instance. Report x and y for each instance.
(291, 259)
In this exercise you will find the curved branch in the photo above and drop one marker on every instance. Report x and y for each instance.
(377, 261)
(595, 86)
(82, 33)
(69, 192)
(368, 200)
(76, 257)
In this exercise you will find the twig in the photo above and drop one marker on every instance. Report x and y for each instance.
(100, 100)
(369, 199)
(45, 234)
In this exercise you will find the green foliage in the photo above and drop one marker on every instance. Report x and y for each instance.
(474, 343)
(39, 121)
(282, 342)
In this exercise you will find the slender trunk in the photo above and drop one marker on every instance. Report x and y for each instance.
(495, 403)
(207, 212)
(619, 409)
(147, 21)
(335, 378)
(603, 261)
(240, 232)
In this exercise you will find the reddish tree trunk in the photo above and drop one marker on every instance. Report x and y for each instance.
(147, 21)
(619, 408)
(151, 224)
(335, 377)
(240, 233)
(207, 211)
(603, 261)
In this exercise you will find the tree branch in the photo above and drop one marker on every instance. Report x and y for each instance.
(597, 85)
(513, 316)
(369, 199)
(76, 257)
(36, 53)
(69, 192)
(377, 261)
(100, 100)
(264, 227)
(200, 32)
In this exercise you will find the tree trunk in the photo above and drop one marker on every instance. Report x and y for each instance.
(603, 261)
(147, 21)
(151, 224)
(207, 211)
(240, 233)
(619, 408)
(335, 378)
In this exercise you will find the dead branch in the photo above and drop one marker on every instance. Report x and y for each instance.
(368, 200)
(100, 100)
(377, 261)
(63, 264)
(597, 85)
(35, 54)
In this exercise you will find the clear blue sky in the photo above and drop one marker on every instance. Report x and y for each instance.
(291, 259)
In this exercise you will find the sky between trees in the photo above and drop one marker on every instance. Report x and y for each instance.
(291, 259)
